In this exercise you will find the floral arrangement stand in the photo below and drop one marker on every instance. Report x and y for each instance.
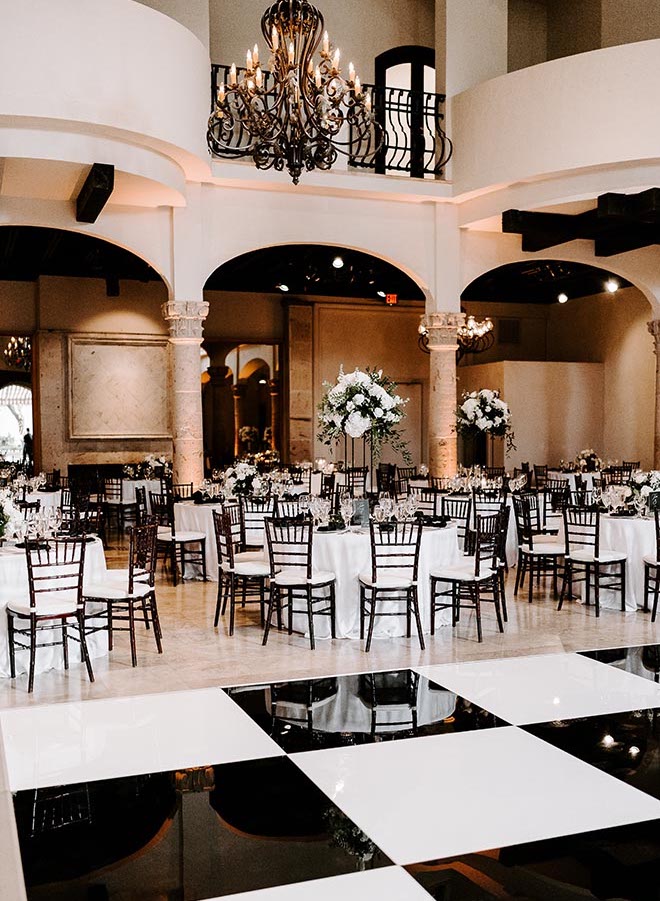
(363, 405)
(484, 413)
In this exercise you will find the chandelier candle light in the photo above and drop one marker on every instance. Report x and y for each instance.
(305, 113)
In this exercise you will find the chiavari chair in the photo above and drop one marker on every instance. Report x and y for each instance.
(386, 478)
(293, 579)
(557, 493)
(181, 491)
(440, 483)
(428, 500)
(249, 576)
(540, 476)
(124, 592)
(287, 508)
(652, 572)
(304, 696)
(615, 475)
(392, 694)
(536, 557)
(631, 465)
(55, 602)
(457, 509)
(327, 486)
(141, 509)
(355, 480)
(301, 476)
(473, 581)
(114, 505)
(179, 547)
(495, 472)
(403, 476)
(485, 502)
(586, 562)
(393, 577)
(254, 511)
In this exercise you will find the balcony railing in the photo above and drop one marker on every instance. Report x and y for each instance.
(415, 142)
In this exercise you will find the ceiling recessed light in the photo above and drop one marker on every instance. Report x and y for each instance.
(263, 382)
(381, 293)
(611, 286)
(562, 298)
(338, 262)
(283, 287)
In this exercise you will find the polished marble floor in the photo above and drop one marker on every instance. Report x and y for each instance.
(524, 767)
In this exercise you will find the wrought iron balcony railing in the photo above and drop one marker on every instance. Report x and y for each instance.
(415, 141)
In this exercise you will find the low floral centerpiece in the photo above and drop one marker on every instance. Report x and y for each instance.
(152, 467)
(644, 484)
(244, 479)
(588, 460)
(363, 405)
(484, 413)
(11, 517)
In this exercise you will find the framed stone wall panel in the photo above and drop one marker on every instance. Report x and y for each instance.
(118, 387)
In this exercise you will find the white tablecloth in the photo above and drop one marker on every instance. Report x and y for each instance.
(46, 498)
(128, 487)
(14, 583)
(347, 554)
(192, 517)
(636, 538)
(587, 478)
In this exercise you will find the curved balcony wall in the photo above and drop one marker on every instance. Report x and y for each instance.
(593, 109)
(105, 69)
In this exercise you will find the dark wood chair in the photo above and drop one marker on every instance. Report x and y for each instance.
(652, 572)
(248, 576)
(586, 562)
(473, 581)
(540, 476)
(254, 511)
(327, 485)
(355, 480)
(536, 557)
(293, 579)
(457, 509)
(114, 505)
(403, 476)
(176, 546)
(428, 500)
(127, 591)
(54, 604)
(495, 472)
(393, 577)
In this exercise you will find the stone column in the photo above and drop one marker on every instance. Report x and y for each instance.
(274, 391)
(654, 329)
(238, 391)
(185, 319)
(442, 342)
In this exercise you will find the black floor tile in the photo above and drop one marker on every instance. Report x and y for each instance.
(625, 745)
(642, 661)
(622, 863)
(346, 710)
(186, 835)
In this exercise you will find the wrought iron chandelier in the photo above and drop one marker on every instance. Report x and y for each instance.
(18, 353)
(473, 338)
(302, 113)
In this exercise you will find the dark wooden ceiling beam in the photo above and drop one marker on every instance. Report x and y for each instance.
(95, 192)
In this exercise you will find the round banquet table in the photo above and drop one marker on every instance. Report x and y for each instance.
(346, 712)
(128, 487)
(14, 585)
(634, 537)
(46, 498)
(347, 554)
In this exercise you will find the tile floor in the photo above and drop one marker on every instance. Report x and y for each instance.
(224, 769)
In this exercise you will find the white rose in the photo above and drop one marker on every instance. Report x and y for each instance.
(645, 490)
(378, 412)
(358, 399)
(357, 425)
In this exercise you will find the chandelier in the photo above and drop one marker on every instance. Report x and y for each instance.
(473, 338)
(18, 353)
(301, 113)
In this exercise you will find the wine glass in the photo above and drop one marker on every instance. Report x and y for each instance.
(346, 509)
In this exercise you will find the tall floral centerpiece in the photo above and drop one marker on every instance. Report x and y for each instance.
(484, 413)
(588, 460)
(244, 479)
(363, 404)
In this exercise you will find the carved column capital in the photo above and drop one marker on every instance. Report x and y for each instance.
(654, 328)
(442, 329)
(185, 318)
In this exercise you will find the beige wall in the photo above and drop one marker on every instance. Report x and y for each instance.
(361, 30)
(358, 335)
(527, 33)
(556, 408)
(573, 27)
(607, 329)
(194, 14)
(626, 21)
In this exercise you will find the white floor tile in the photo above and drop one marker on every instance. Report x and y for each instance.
(89, 740)
(542, 689)
(438, 796)
(385, 884)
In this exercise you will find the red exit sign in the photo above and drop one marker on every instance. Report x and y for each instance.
(391, 299)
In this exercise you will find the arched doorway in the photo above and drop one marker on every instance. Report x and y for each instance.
(304, 310)
(15, 421)
(572, 356)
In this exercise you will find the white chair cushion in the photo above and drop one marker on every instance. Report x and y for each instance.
(249, 568)
(586, 555)
(463, 572)
(545, 549)
(289, 577)
(651, 560)
(387, 582)
(115, 590)
(46, 607)
(181, 536)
